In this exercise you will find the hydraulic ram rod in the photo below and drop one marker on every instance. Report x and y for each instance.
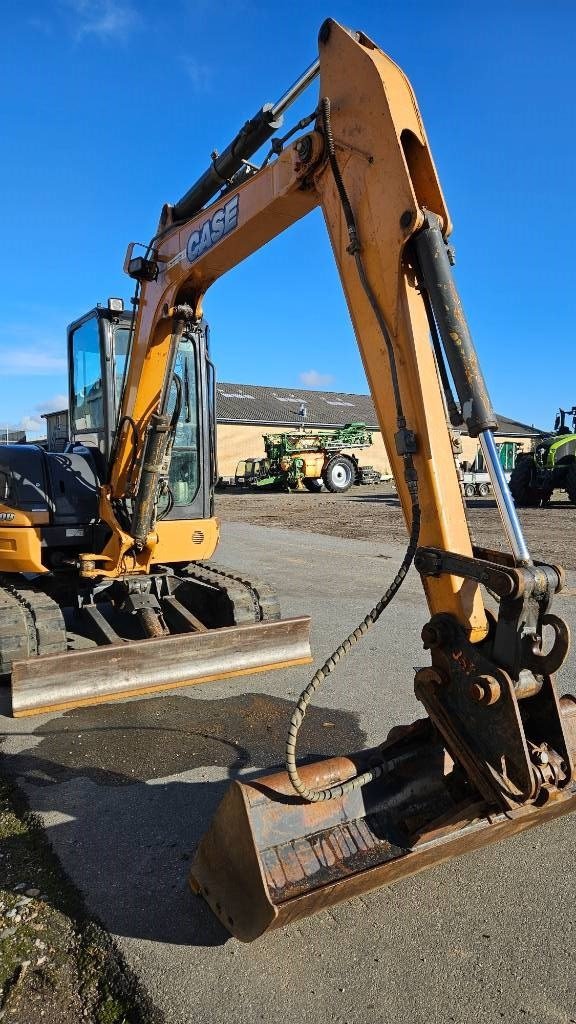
(435, 276)
(254, 134)
(295, 90)
(504, 499)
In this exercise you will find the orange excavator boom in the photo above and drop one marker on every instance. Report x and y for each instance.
(496, 753)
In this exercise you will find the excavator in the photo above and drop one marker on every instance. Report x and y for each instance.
(495, 754)
(107, 589)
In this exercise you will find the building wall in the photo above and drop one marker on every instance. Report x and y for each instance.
(57, 430)
(235, 441)
(12, 436)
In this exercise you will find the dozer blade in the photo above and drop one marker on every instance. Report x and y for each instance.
(269, 858)
(60, 681)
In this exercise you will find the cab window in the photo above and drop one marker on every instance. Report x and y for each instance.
(121, 341)
(184, 475)
(88, 411)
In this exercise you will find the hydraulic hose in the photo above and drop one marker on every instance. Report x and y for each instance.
(316, 795)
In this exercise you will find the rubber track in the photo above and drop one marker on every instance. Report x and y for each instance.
(31, 623)
(252, 599)
(263, 594)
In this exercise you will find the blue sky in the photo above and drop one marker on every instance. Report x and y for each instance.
(111, 107)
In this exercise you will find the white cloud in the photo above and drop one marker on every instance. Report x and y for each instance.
(32, 424)
(27, 351)
(54, 404)
(315, 379)
(31, 363)
(105, 19)
(201, 75)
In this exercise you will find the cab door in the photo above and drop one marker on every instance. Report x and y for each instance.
(97, 355)
(191, 477)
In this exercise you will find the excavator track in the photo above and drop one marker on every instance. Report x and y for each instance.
(234, 628)
(239, 633)
(31, 623)
(251, 599)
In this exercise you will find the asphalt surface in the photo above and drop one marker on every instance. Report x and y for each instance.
(126, 790)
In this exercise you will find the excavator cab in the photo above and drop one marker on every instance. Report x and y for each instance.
(98, 352)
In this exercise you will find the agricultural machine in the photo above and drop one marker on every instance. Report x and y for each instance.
(307, 459)
(551, 466)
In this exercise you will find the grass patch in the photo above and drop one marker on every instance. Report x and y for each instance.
(56, 962)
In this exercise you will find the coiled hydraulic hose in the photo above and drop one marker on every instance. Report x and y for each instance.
(333, 792)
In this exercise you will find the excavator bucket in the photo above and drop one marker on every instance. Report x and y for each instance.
(269, 858)
(55, 682)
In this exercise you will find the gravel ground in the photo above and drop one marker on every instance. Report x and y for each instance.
(97, 767)
(373, 513)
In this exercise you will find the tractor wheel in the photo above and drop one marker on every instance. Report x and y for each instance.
(313, 484)
(469, 490)
(570, 482)
(339, 474)
(520, 485)
(483, 490)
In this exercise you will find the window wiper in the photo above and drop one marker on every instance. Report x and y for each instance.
(187, 392)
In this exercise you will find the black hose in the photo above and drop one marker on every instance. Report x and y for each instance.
(177, 381)
(315, 795)
(170, 505)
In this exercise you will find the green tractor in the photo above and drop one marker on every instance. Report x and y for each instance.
(551, 465)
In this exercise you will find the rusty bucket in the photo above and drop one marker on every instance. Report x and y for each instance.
(270, 858)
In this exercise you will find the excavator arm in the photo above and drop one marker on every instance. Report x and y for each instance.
(496, 753)
(381, 152)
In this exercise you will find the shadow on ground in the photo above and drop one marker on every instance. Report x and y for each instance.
(126, 836)
(392, 501)
(377, 499)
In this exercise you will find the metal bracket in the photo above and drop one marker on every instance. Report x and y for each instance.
(525, 594)
(104, 632)
(495, 702)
